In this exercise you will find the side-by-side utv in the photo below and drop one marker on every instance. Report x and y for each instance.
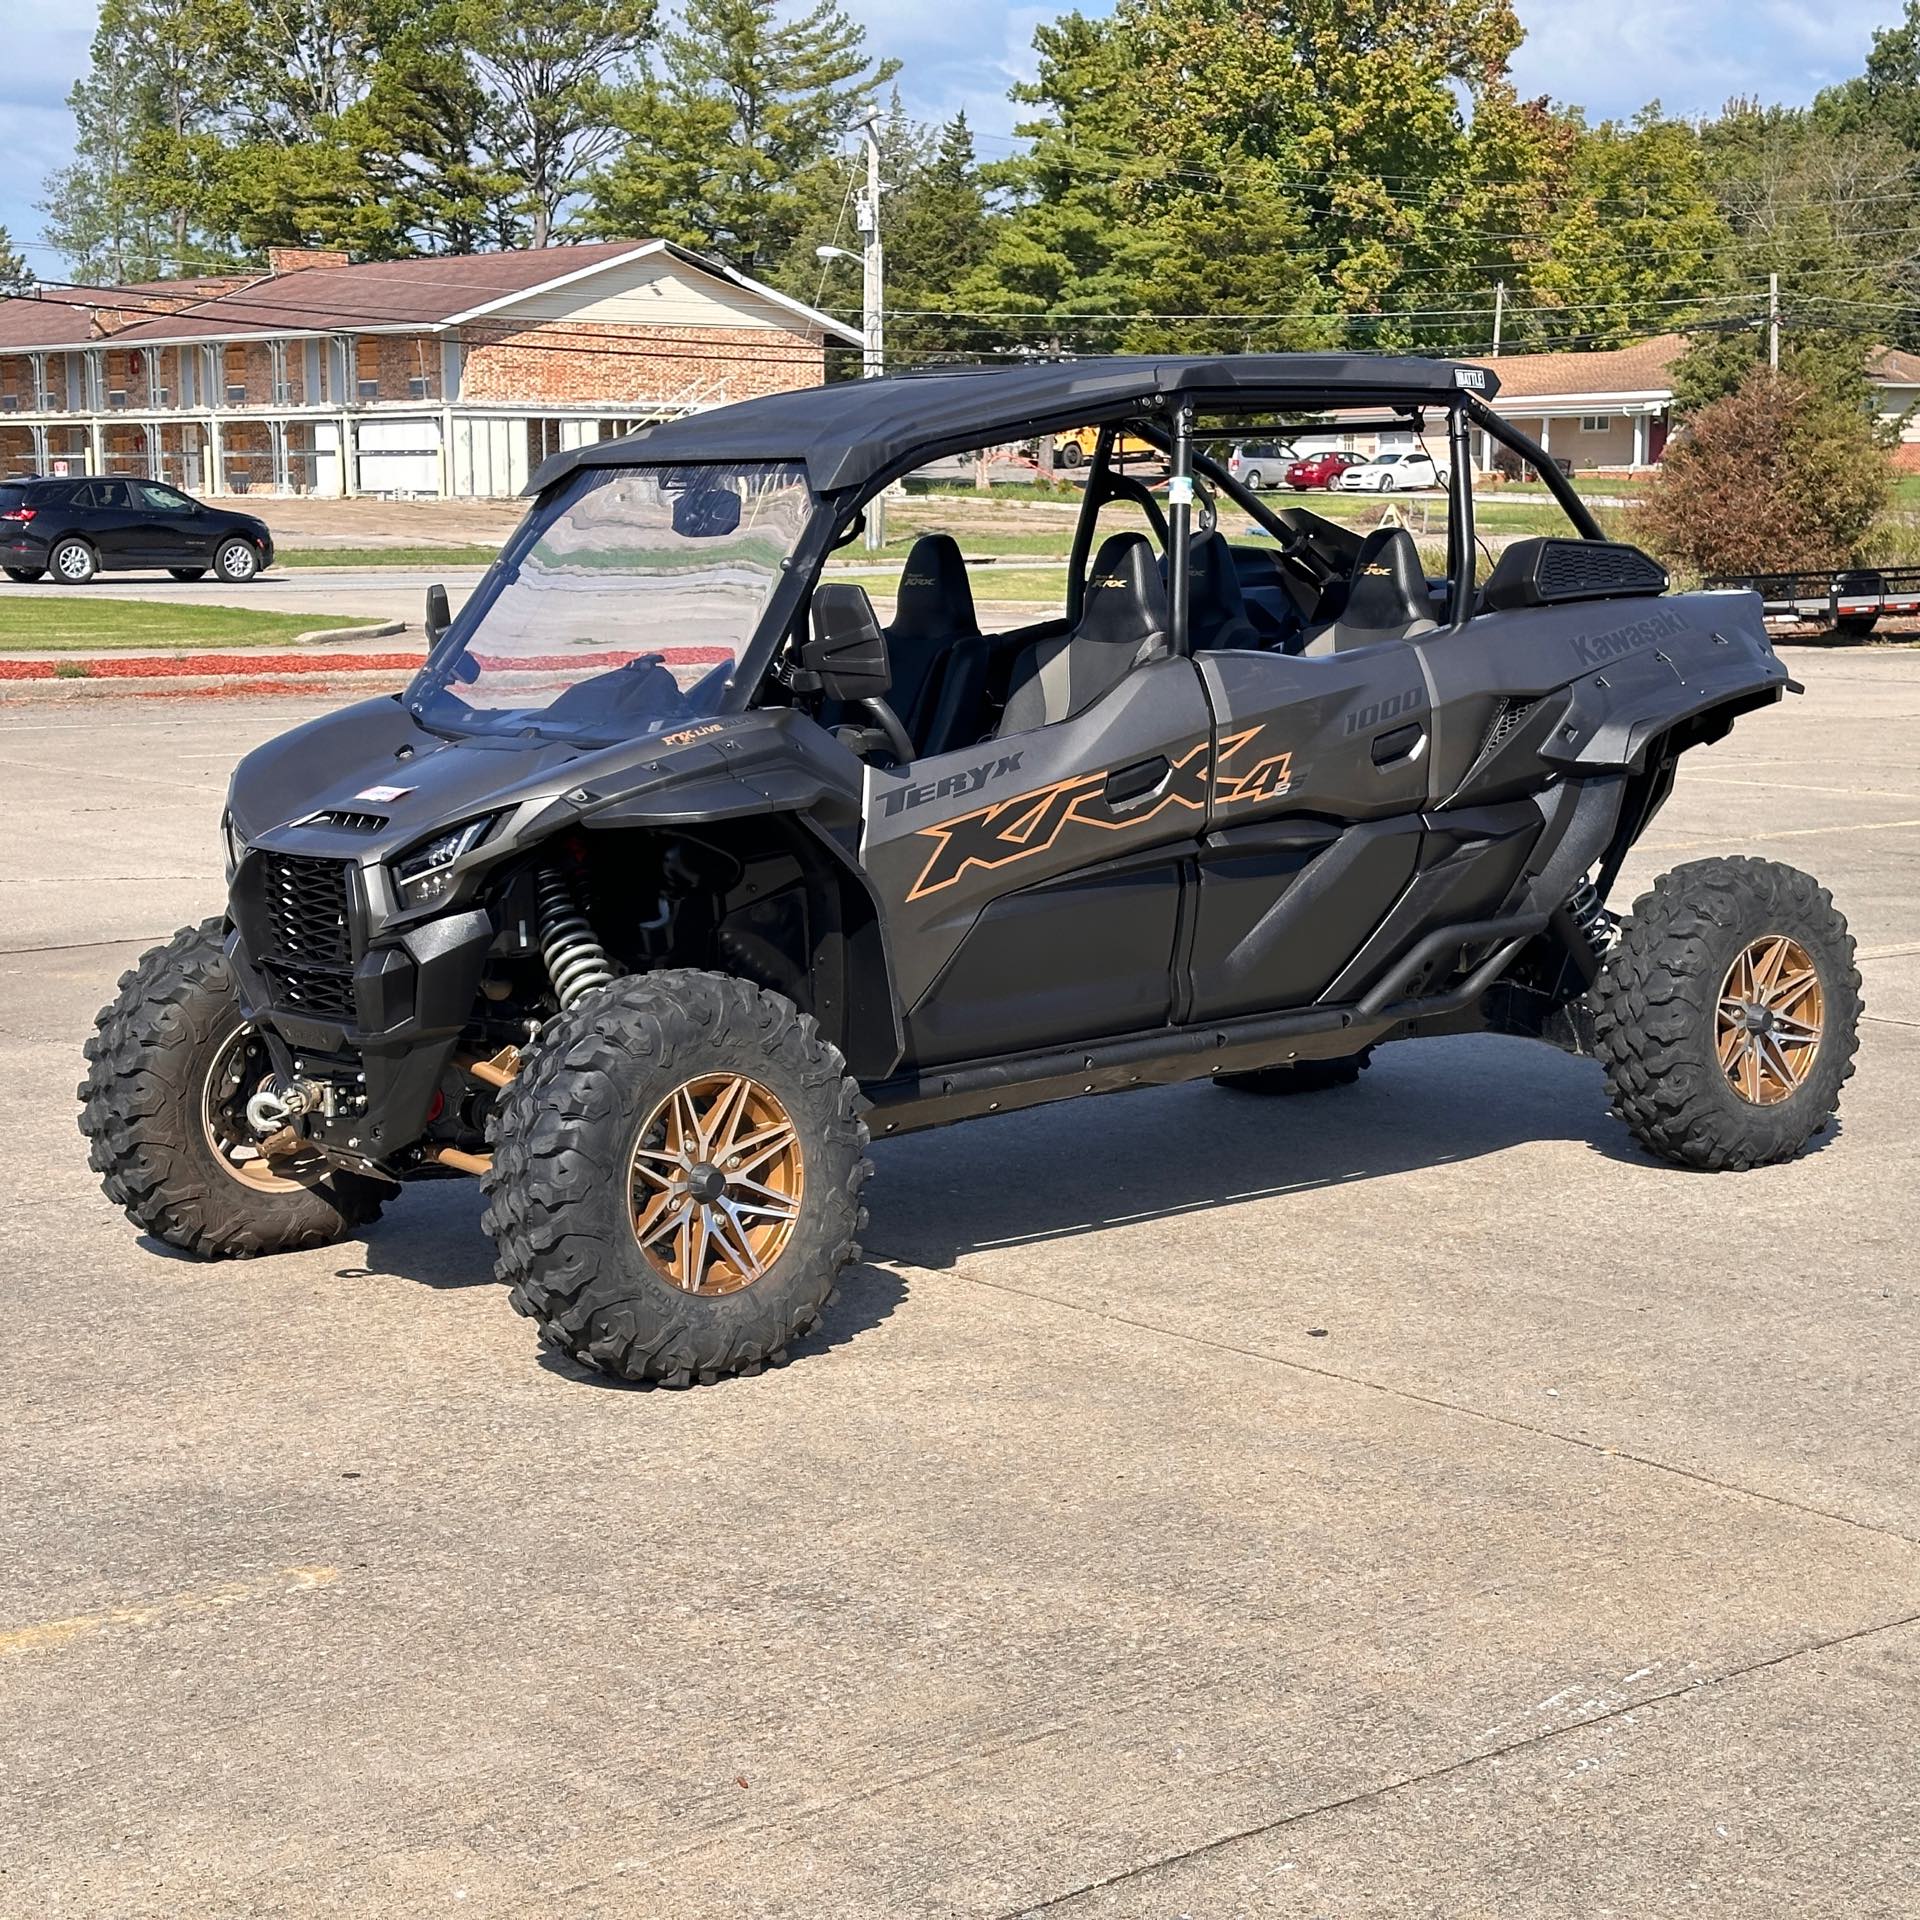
(676, 874)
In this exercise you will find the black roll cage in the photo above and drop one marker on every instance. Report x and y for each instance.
(1166, 421)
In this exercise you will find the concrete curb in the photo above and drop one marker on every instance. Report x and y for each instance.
(320, 636)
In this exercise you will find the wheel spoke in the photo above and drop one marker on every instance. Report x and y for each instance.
(741, 1253)
(657, 1221)
(725, 1115)
(1792, 989)
(1782, 1069)
(753, 1153)
(779, 1206)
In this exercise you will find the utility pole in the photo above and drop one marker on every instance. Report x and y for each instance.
(1499, 313)
(873, 359)
(1773, 321)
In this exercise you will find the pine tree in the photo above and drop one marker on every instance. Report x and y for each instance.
(725, 143)
(15, 275)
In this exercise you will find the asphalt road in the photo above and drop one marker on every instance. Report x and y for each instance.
(1406, 1502)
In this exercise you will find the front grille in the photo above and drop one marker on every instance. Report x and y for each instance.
(306, 905)
(318, 992)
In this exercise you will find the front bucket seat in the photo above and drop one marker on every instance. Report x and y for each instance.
(932, 612)
(1123, 623)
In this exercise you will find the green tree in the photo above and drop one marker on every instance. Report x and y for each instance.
(15, 275)
(1771, 477)
(1283, 165)
(555, 69)
(728, 144)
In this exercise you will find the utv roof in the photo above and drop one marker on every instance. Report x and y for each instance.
(850, 431)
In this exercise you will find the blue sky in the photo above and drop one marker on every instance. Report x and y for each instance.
(1694, 55)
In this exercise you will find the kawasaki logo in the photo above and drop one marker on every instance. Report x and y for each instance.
(1596, 649)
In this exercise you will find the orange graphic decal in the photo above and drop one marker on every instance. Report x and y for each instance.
(1029, 823)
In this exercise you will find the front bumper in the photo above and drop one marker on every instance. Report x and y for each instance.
(393, 1010)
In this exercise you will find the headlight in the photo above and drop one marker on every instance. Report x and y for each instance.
(232, 841)
(425, 873)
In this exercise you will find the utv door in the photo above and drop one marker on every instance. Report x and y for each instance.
(1032, 883)
(1321, 772)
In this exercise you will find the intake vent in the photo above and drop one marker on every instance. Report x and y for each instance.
(1591, 569)
(318, 992)
(306, 902)
(1509, 717)
(348, 822)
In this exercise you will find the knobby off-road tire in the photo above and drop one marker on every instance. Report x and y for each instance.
(563, 1212)
(1303, 1076)
(142, 1109)
(1674, 1018)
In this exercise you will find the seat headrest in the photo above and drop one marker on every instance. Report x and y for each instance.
(1388, 588)
(1213, 581)
(935, 601)
(1126, 598)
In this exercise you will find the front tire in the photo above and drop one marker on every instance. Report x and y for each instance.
(676, 1178)
(161, 1077)
(236, 562)
(73, 563)
(1727, 1016)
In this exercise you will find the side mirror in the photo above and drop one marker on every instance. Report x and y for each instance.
(847, 649)
(439, 614)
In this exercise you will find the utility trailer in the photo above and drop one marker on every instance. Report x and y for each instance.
(1848, 599)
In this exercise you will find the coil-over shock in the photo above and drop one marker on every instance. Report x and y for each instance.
(577, 963)
(1591, 920)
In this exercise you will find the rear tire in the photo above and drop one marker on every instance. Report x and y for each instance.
(569, 1206)
(1303, 1076)
(1728, 1014)
(25, 575)
(1068, 453)
(150, 1060)
(73, 563)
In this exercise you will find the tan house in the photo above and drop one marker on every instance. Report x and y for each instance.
(1610, 411)
(452, 375)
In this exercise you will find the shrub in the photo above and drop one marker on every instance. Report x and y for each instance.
(1774, 478)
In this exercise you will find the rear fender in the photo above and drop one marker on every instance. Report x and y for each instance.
(1699, 658)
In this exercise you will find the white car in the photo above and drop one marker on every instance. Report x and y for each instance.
(1393, 473)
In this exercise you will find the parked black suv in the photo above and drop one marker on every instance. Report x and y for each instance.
(73, 529)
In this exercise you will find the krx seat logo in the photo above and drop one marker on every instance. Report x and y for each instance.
(1031, 823)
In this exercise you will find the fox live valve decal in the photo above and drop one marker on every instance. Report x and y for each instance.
(1030, 823)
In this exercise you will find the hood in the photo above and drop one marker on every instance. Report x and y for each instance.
(373, 763)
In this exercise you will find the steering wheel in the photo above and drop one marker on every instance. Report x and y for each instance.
(899, 740)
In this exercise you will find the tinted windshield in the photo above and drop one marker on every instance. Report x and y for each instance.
(622, 606)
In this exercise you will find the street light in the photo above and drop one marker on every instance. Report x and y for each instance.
(873, 357)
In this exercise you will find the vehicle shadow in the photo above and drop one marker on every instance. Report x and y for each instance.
(430, 1235)
(1087, 1165)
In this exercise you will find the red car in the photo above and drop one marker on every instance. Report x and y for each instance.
(1320, 470)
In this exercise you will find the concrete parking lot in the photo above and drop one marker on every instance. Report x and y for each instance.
(1410, 1501)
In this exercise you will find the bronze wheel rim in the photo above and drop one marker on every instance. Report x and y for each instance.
(241, 1067)
(716, 1183)
(1771, 1020)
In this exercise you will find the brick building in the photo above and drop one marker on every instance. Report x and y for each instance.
(449, 376)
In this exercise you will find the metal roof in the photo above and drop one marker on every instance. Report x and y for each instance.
(849, 432)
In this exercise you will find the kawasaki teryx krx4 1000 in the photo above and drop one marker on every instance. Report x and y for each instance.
(676, 873)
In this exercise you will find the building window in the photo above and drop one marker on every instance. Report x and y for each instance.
(1595, 422)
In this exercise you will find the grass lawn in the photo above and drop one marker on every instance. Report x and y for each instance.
(465, 556)
(68, 622)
